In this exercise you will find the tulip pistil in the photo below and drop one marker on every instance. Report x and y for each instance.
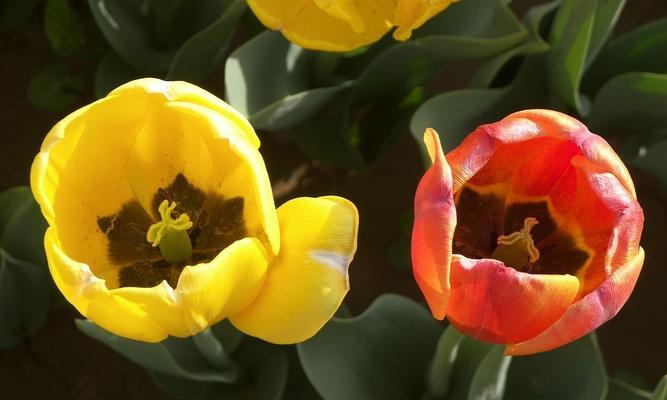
(517, 248)
(171, 234)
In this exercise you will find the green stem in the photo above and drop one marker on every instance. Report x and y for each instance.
(211, 348)
(439, 374)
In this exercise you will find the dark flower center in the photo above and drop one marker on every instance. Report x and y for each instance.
(484, 217)
(217, 222)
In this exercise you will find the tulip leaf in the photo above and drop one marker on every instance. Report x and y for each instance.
(14, 12)
(204, 51)
(380, 354)
(574, 371)
(660, 392)
(489, 380)
(266, 367)
(619, 390)
(633, 51)
(63, 27)
(442, 365)
(632, 103)
(55, 88)
(469, 358)
(112, 71)
(127, 31)
(24, 279)
(178, 358)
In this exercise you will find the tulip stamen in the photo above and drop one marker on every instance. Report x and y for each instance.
(518, 247)
(170, 234)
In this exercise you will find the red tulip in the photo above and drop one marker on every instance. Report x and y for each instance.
(527, 234)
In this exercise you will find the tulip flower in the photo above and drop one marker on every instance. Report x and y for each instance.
(527, 234)
(162, 221)
(343, 25)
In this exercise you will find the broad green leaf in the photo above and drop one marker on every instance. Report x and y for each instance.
(606, 16)
(55, 88)
(619, 390)
(660, 392)
(24, 298)
(266, 369)
(489, 380)
(444, 359)
(570, 38)
(632, 103)
(653, 160)
(178, 358)
(14, 12)
(169, 20)
(634, 51)
(294, 109)
(129, 34)
(469, 358)
(63, 27)
(113, 71)
(534, 44)
(575, 371)
(22, 226)
(204, 51)
(381, 354)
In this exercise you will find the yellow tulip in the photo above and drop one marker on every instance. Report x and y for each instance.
(162, 221)
(343, 25)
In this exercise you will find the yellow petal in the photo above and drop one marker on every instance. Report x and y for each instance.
(230, 282)
(79, 174)
(242, 170)
(411, 14)
(91, 298)
(307, 24)
(308, 280)
(187, 92)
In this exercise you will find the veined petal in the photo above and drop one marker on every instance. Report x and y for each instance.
(308, 280)
(499, 304)
(91, 297)
(344, 10)
(307, 24)
(411, 14)
(622, 265)
(433, 230)
(187, 92)
(224, 286)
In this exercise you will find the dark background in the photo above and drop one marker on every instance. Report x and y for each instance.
(60, 362)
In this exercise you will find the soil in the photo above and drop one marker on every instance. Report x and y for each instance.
(60, 362)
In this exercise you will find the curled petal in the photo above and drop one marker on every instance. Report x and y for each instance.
(622, 265)
(433, 230)
(499, 304)
(307, 281)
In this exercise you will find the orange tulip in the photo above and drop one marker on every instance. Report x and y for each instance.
(527, 234)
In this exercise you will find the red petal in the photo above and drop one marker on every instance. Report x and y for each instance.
(499, 304)
(433, 230)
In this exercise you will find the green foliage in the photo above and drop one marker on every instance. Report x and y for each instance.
(381, 354)
(24, 279)
(63, 27)
(55, 88)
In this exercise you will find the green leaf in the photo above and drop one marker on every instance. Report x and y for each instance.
(15, 12)
(660, 392)
(178, 358)
(575, 371)
(24, 298)
(619, 390)
(267, 369)
(63, 27)
(442, 365)
(22, 226)
(381, 354)
(489, 380)
(113, 71)
(606, 16)
(652, 161)
(204, 51)
(128, 32)
(55, 88)
(634, 51)
(632, 103)
(469, 357)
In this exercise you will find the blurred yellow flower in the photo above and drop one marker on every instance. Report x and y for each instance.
(343, 25)
(162, 221)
